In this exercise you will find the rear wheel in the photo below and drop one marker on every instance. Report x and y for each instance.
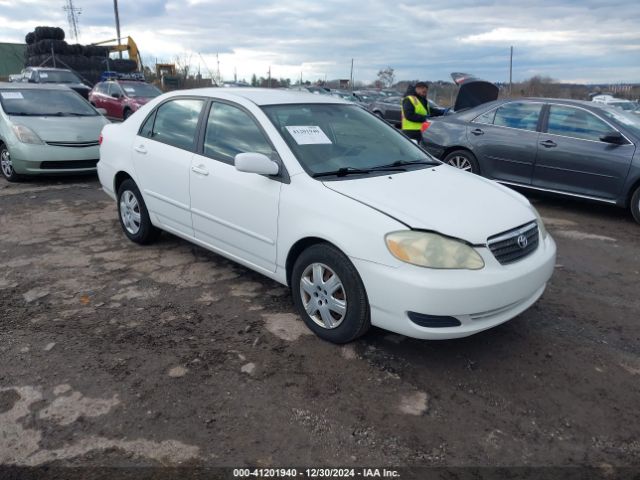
(329, 295)
(635, 205)
(6, 165)
(133, 214)
(127, 113)
(464, 160)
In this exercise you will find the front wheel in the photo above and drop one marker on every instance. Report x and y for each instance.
(6, 165)
(133, 214)
(464, 160)
(635, 205)
(329, 295)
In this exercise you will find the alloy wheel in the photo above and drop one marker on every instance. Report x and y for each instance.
(130, 212)
(5, 163)
(323, 295)
(461, 162)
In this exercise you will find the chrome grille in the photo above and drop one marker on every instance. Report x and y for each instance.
(514, 245)
(74, 144)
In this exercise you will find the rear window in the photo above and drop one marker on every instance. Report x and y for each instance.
(45, 102)
(56, 76)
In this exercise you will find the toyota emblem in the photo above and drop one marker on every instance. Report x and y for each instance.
(523, 242)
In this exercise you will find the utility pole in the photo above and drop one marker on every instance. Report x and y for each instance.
(218, 73)
(511, 71)
(72, 18)
(269, 76)
(351, 77)
(115, 10)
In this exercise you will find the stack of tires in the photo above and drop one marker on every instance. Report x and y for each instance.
(87, 60)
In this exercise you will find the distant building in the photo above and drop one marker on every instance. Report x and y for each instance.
(11, 59)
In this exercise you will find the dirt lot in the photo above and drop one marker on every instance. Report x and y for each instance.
(116, 354)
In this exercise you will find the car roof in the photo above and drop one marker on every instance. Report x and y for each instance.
(263, 96)
(32, 86)
(48, 69)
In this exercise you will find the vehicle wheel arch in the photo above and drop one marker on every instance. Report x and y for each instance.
(627, 200)
(120, 177)
(300, 246)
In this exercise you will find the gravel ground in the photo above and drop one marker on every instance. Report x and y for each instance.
(115, 354)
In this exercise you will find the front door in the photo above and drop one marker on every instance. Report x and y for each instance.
(572, 158)
(162, 154)
(505, 141)
(234, 212)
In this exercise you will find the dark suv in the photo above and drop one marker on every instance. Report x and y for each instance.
(55, 76)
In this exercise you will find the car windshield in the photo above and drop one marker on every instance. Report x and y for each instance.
(140, 89)
(45, 102)
(622, 105)
(330, 138)
(58, 76)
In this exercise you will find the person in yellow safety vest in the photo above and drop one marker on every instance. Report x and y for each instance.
(416, 110)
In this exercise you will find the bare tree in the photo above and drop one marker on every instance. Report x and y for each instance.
(386, 77)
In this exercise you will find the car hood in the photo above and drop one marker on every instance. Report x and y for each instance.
(473, 91)
(64, 129)
(442, 199)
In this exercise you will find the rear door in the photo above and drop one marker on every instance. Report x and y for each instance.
(162, 154)
(572, 158)
(505, 141)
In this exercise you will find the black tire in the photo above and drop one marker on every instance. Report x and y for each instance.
(356, 320)
(126, 114)
(7, 170)
(30, 38)
(146, 232)
(635, 205)
(464, 160)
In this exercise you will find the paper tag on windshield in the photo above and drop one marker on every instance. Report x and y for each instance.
(129, 89)
(308, 135)
(12, 95)
(44, 75)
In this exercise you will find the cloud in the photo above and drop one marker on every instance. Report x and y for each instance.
(590, 39)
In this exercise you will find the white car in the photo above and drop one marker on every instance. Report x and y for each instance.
(318, 194)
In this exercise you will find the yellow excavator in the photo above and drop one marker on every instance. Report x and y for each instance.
(130, 47)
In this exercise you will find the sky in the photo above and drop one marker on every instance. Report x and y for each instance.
(577, 41)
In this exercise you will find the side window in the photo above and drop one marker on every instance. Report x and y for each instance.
(523, 116)
(230, 131)
(576, 123)
(147, 127)
(486, 117)
(177, 122)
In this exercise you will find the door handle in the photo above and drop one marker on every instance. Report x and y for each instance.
(549, 144)
(200, 170)
(477, 132)
(140, 149)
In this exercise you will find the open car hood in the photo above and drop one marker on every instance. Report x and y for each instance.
(473, 91)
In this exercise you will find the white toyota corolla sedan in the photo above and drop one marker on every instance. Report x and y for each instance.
(318, 194)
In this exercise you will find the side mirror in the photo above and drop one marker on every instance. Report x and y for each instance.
(256, 163)
(614, 137)
(102, 111)
(116, 95)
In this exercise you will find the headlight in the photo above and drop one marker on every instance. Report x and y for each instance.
(541, 228)
(431, 250)
(26, 135)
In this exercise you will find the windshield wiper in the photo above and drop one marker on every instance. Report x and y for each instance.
(399, 163)
(64, 114)
(344, 171)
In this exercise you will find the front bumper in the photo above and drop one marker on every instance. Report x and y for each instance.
(479, 300)
(28, 159)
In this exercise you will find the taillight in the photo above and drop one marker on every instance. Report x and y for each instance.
(100, 140)
(425, 125)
